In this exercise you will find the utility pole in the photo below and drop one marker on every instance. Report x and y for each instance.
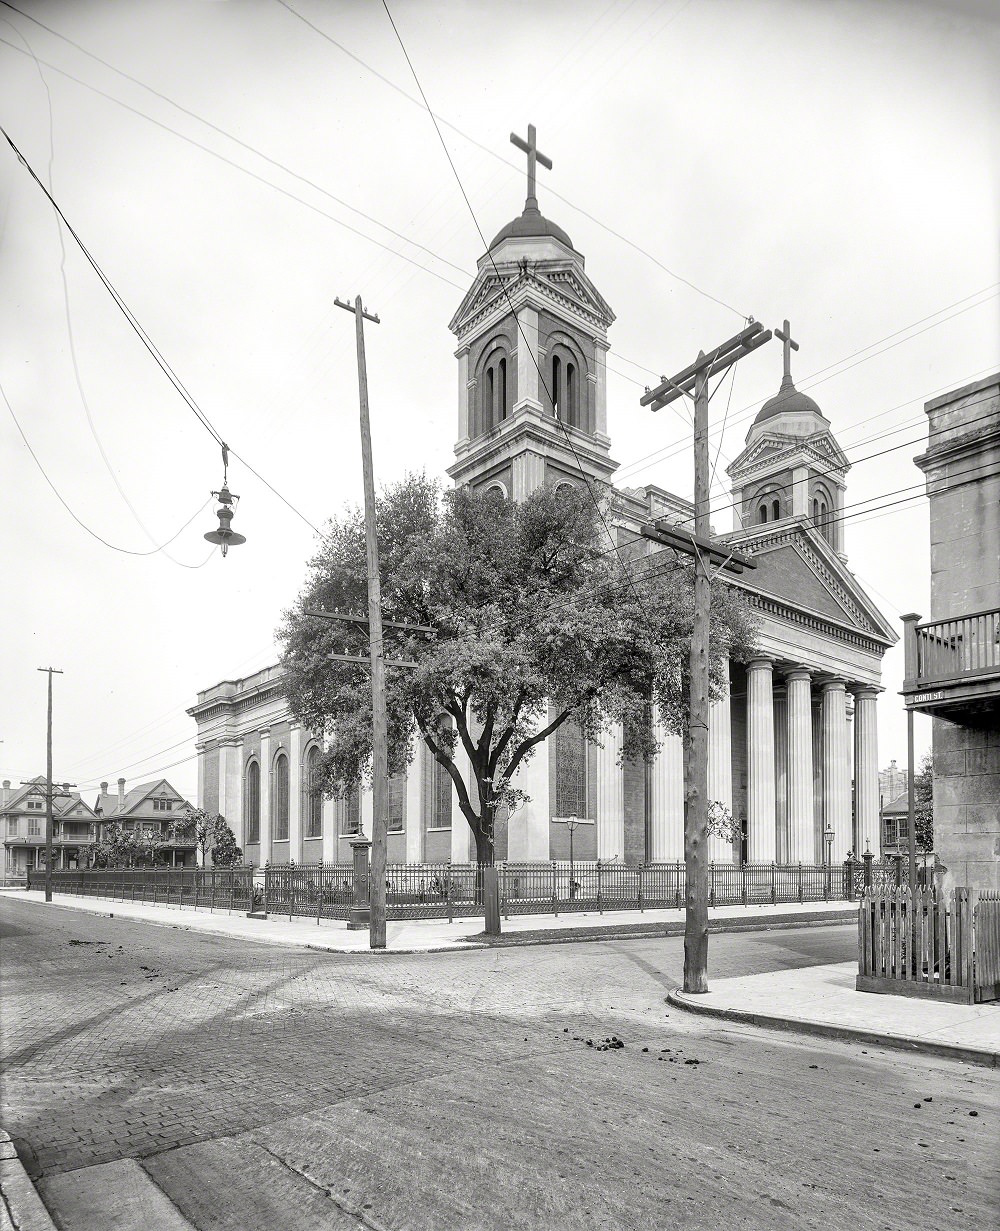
(380, 739)
(48, 788)
(694, 381)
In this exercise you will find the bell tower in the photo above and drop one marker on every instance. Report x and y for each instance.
(532, 340)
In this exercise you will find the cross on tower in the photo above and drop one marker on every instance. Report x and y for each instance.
(531, 149)
(785, 334)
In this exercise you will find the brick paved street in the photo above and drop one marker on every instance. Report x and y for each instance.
(268, 1087)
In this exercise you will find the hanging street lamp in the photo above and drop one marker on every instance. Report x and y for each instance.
(225, 536)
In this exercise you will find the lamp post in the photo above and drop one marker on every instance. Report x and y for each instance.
(571, 824)
(828, 836)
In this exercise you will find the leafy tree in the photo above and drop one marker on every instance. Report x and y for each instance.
(118, 847)
(923, 798)
(225, 853)
(540, 620)
(198, 824)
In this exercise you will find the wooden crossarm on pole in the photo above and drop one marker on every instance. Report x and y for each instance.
(360, 658)
(736, 342)
(683, 383)
(684, 541)
(346, 618)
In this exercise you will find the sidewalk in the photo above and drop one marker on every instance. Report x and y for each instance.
(431, 935)
(822, 1000)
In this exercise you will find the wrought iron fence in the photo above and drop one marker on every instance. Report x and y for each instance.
(221, 888)
(449, 891)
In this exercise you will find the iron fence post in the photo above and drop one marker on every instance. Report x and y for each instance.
(641, 866)
(450, 904)
(319, 894)
(504, 891)
(555, 892)
(600, 904)
(743, 884)
(291, 888)
(774, 883)
(267, 877)
(800, 882)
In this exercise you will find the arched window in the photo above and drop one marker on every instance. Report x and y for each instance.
(571, 770)
(493, 394)
(775, 510)
(572, 409)
(279, 811)
(557, 406)
(816, 512)
(313, 795)
(762, 514)
(251, 803)
(397, 803)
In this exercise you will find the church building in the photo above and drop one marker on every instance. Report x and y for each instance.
(793, 749)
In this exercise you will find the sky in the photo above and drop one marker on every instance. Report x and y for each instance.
(233, 166)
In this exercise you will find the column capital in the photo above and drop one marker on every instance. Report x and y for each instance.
(798, 673)
(836, 684)
(760, 663)
(866, 691)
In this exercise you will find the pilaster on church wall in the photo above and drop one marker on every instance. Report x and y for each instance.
(610, 795)
(414, 818)
(528, 826)
(720, 772)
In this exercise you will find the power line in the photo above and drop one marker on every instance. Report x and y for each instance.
(503, 286)
(809, 383)
(83, 525)
(493, 154)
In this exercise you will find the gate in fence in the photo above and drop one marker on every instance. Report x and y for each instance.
(930, 944)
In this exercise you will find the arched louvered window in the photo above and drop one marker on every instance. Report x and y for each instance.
(313, 795)
(557, 406)
(279, 811)
(762, 514)
(775, 510)
(502, 409)
(251, 803)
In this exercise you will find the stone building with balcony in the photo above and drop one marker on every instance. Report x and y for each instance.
(793, 748)
(952, 659)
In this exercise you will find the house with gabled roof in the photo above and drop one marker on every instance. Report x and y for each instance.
(156, 809)
(22, 820)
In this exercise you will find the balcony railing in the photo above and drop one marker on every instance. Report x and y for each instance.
(944, 656)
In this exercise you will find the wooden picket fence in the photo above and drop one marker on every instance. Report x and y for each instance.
(926, 943)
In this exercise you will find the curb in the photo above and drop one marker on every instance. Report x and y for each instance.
(656, 931)
(18, 1199)
(847, 1034)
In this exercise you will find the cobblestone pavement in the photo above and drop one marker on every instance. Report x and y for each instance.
(468, 1089)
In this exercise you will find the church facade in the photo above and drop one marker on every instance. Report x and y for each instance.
(793, 747)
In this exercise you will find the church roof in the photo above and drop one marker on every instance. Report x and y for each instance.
(788, 400)
(531, 223)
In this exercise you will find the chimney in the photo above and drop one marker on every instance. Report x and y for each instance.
(121, 794)
(104, 788)
(6, 793)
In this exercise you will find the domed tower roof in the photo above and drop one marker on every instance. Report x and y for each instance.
(788, 400)
(532, 222)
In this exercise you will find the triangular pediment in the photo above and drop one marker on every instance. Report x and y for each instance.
(820, 449)
(557, 283)
(796, 566)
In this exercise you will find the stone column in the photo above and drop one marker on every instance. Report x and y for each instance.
(849, 712)
(667, 798)
(265, 795)
(836, 769)
(781, 774)
(610, 796)
(720, 772)
(800, 768)
(866, 770)
(760, 761)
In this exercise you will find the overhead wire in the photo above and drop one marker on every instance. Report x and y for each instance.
(82, 524)
(503, 287)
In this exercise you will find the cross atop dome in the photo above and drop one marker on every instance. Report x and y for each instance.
(530, 147)
(785, 334)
